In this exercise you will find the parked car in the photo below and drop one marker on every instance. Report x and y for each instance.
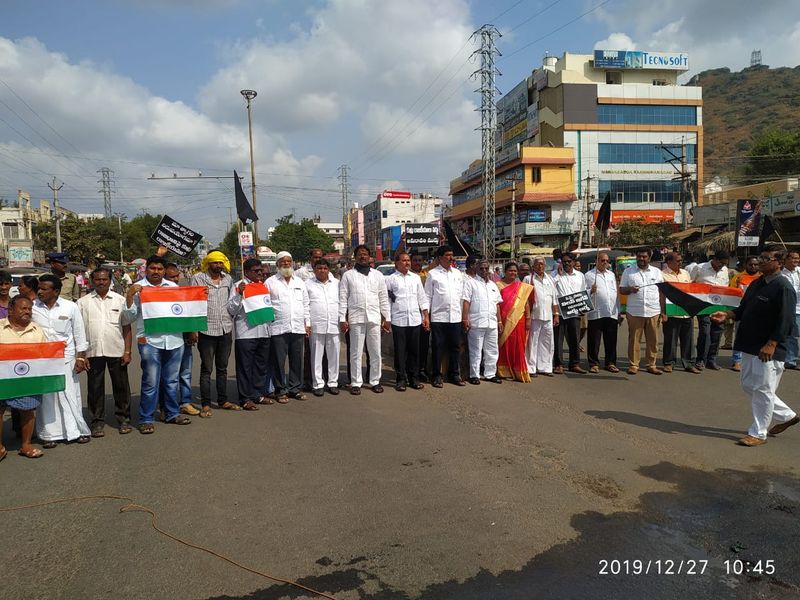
(17, 273)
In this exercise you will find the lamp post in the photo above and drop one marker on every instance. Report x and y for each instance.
(249, 95)
(513, 181)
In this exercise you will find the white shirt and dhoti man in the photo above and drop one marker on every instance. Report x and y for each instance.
(363, 300)
(483, 297)
(539, 353)
(323, 301)
(60, 416)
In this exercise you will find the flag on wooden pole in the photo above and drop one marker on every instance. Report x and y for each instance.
(31, 369)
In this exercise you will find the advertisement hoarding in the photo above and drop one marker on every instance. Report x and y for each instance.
(748, 222)
(635, 59)
(513, 107)
(20, 254)
(396, 194)
(422, 235)
(533, 120)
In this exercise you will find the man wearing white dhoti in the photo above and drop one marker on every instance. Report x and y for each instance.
(60, 416)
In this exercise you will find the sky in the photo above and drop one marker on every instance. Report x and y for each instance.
(151, 88)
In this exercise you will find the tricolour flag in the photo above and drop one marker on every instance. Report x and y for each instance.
(174, 309)
(257, 304)
(692, 299)
(31, 369)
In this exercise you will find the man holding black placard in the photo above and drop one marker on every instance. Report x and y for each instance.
(568, 282)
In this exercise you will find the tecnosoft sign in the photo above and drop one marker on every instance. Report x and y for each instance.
(635, 59)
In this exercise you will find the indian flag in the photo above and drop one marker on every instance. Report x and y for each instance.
(31, 369)
(257, 304)
(691, 299)
(174, 309)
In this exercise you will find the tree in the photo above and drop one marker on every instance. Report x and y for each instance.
(299, 238)
(635, 232)
(774, 154)
(230, 244)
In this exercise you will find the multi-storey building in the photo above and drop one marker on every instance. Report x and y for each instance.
(392, 209)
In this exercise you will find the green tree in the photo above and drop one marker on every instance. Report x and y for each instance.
(299, 238)
(774, 153)
(230, 244)
(635, 232)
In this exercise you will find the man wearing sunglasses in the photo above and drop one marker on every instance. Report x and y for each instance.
(766, 321)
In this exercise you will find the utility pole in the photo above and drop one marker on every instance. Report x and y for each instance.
(487, 71)
(249, 95)
(588, 220)
(105, 180)
(119, 223)
(683, 175)
(345, 208)
(513, 181)
(58, 217)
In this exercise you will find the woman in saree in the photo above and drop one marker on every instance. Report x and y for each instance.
(515, 311)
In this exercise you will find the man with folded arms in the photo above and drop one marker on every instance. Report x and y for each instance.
(544, 317)
(252, 343)
(766, 320)
(603, 321)
(445, 289)
(109, 336)
(324, 342)
(645, 311)
(482, 321)
(364, 312)
(409, 317)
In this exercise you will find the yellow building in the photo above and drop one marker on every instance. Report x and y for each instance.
(545, 192)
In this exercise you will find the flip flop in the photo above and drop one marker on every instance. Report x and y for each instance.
(205, 413)
(249, 405)
(283, 399)
(3, 452)
(230, 406)
(32, 453)
(265, 400)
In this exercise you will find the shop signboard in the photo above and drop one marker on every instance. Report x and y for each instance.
(748, 221)
(635, 59)
(20, 253)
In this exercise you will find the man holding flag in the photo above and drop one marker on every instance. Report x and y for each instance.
(251, 308)
(766, 321)
(18, 328)
(160, 345)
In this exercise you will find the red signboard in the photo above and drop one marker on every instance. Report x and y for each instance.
(395, 194)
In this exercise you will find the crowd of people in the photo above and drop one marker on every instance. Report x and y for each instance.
(511, 327)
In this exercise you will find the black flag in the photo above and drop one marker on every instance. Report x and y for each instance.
(603, 221)
(244, 211)
(460, 247)
(691, 304)
(766, 231)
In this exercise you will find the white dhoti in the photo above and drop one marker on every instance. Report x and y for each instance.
(760, 380)
(539, 353)
(327, 344)
(60, 416)
(359, 333)
(482, 342)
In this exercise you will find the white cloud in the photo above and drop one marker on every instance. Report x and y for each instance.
(616, 41)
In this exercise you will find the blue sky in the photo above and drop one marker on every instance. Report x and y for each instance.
(151, 86)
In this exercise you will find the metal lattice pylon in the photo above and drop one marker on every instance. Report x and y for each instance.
(487, 72)
(106, 174)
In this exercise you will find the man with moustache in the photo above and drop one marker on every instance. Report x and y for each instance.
(645, 311)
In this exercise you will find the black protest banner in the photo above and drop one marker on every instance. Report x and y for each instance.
(575, 304)
(422, 235)
(178, 238)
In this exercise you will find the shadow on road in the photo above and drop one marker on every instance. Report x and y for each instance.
(666, 425)
(709, 516)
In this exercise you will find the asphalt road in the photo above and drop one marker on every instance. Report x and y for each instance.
(508, 492)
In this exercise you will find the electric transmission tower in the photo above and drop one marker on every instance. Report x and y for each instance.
(487, 72)
(755, 58)
(106, 174)
(345, 187)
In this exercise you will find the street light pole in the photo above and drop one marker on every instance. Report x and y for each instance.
(513, 181)
(249, 95)
(58, 217)
(119, 223)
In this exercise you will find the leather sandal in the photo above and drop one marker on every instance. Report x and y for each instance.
(230, 406)
(249, 405)
(180, 420)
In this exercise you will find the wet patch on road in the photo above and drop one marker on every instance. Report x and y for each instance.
(682, 537)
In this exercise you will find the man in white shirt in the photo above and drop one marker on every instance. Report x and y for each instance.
(252, 344)
(569, 281)
(109, 335)
(323, 299)
(601, 283)
(363, 312)
(481, 321)
(444, 287)
(645, 311)
(714, 272)
(409, 306)
(160, 354)
(792, 273)
(60, 416)
(292, 323)
(306, 272)
(678, 327)
(544, 317)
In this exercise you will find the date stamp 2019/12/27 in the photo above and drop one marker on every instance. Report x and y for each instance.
(687, 567)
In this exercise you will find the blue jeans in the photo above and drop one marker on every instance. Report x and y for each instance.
(160, 369)
(736, 357)
(185, 391)
(791, 343)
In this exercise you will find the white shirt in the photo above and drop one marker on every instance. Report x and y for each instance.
(163, 341)
(290, 301)
(705, 273)
(409, 299)
(569, 283)
(323, 301)
(545, 296)
(363, 298)
(104, 319)
(306, 273)
(794, 277)
(445, 291)
(62, 323)
(241, 328)
(647, 301)
(606, 298)
(483, 297)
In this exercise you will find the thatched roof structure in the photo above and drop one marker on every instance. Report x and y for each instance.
(721, 241)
